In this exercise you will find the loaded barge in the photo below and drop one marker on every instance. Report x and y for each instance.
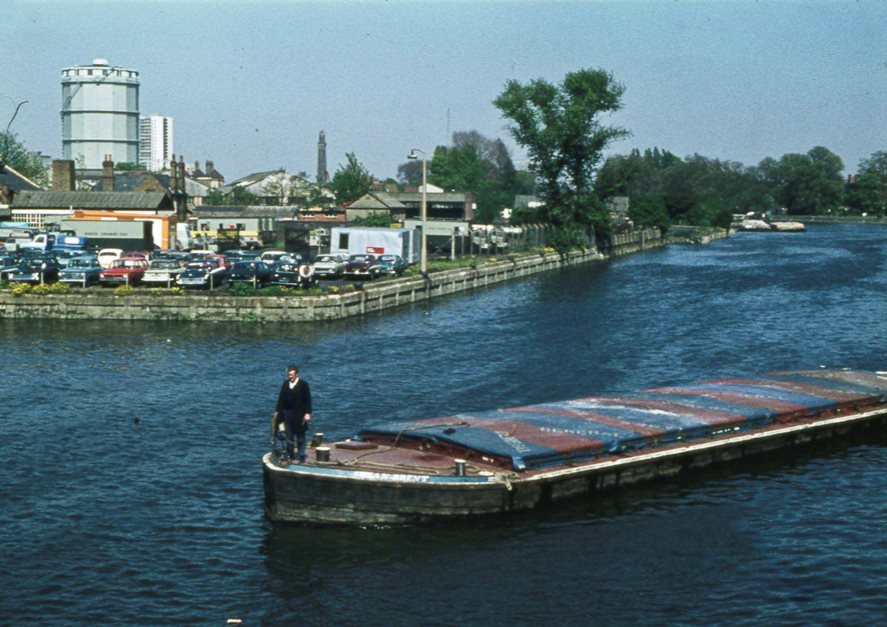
(519, 458)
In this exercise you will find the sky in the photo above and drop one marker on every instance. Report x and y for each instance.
(251, 83)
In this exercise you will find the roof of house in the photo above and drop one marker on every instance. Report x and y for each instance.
(255, 177)
(376, 200)
(89, 200)
(414, 197)
(251, 211)
(15, 180)
(129, 181)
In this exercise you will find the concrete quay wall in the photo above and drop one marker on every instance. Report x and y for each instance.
(371, 297)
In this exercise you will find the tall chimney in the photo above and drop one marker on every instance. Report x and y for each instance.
(108, 174)
(210, 167)
(173, 171)
(63, 175)
(181, 174)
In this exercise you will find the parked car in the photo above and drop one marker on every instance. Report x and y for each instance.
(81, 271)
(36, 269)
(274, 256)
(294, 275)
(329, 266)
(256, 273)
(362, 267)
(124, 271)
(208, 272)
(107, 255)
(234, 255)
(9, 261)
(250, 241)
(392, 265)
(163, 271)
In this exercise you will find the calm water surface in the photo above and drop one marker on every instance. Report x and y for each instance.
(131, 485)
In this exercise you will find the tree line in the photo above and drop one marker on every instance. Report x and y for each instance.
(561, 127)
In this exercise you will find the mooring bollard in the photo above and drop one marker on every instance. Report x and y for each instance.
(322, 453)
(460, 467)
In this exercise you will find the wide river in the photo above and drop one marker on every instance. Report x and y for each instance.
(131, 484)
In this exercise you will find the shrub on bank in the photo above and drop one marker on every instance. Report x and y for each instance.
(20, 289)
(124, 290)
(51, 288)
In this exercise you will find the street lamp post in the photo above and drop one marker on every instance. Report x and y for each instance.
(414, 154)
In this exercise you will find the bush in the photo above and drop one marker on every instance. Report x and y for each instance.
(124, 290)
(242, 289)
(175, 291)
(20, 289)
(277, 290)
(59, 288)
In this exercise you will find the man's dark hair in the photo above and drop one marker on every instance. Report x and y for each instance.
(293, 368)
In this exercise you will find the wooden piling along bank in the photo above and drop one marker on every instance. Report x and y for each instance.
(371, 297)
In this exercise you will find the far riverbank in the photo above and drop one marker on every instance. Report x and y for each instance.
(368, 297)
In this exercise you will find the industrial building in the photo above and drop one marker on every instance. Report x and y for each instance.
(100, 114)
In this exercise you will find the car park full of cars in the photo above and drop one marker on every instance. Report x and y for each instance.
(362, 266)
(82, 271)
(124, 271)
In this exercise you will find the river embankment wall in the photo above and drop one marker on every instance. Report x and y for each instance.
(368, 298)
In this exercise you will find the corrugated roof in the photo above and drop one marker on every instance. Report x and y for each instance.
(376, 200)
(89, 200)
(414, 197)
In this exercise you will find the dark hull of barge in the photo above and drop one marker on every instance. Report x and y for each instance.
(411, 477)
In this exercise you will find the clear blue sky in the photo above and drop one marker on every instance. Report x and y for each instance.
(251, 83)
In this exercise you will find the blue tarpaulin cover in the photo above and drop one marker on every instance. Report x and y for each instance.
(559, 432)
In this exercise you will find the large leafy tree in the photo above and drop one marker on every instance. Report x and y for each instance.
(867, 191)
(810, 183)
(14, 153)
(351, 181)
(562, 130)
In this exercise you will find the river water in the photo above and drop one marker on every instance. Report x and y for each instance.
(131, 484)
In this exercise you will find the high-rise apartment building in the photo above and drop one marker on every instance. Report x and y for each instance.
(156, 145)
(100, 114)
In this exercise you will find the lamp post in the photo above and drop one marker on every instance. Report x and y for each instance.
(414, 154)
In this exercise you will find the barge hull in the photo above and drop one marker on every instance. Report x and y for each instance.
(319, 494)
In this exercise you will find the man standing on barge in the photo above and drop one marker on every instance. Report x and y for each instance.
(294, 408)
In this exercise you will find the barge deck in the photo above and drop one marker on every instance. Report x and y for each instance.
(519, 458)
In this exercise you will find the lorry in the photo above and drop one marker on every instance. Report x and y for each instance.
(128, 235)
(368, 240)
(53, 241)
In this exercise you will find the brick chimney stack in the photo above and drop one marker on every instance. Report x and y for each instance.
(181, 189)
(63, 175)
(210, 167)
(173, 175)
(108, 174)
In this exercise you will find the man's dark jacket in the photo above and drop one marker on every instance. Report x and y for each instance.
(297, 400)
